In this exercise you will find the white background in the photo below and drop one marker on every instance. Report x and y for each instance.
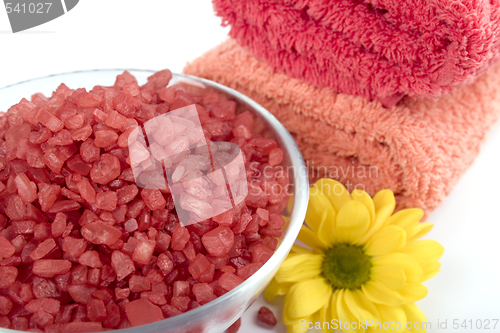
(157, 34)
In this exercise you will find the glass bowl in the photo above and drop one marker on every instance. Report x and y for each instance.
(217, 315)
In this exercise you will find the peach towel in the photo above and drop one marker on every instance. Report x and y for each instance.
(418, 150)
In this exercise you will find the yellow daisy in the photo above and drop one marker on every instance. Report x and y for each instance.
(364, 268)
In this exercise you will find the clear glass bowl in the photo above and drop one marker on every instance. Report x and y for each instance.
(218, 315)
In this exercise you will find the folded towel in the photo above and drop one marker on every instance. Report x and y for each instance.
(418, 149)
(378, 49)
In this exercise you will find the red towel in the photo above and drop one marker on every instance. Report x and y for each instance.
(418, 149)
(378, 49)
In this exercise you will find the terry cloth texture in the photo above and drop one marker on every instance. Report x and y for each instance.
(378, 49)
(418, 149)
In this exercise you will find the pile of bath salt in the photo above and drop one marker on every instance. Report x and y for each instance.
(83, 248)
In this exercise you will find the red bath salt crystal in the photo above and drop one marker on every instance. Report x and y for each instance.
(234, 327)
(43, 249)
(100, 233)
(53, 159)
(115, 120)
(82, 133)
(229, 281)
(154, 297)
(181, 303)
(91, 259)
(5, 306)
(153, 198)
(126, 194)
(49, 267)
(122, 264)
(276, 221)
(25, 188)
(181, 288)
(74, 247)
(106, 169)
(144, 251)
(64, 206)
(275, 156)
(225, 218)
(8, 275)
(62, 138)
(49, 120)
(105, 138)
(100, 116)
(180, 237)
(86, 190)
(224, 110)
(87, 99)
(42, 319)
(139, 284)
(74, 122)
(204, 293)
(160, 79)
(48, 305)
(248, 270)
(165, 264)
(125, 104)
(261, 253)
(256, 197)
(7, 250)
(34, 158)
(106, 200)
(263, 214)
(266, 316)
(76, 164)
(141, 312)
(89, 152)
(81, 293)
(113, 316)
(218, 241)
(96, 310)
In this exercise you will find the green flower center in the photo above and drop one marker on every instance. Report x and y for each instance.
(346, 266)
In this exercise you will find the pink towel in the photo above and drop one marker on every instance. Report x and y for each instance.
(378, 49)
(418, 149)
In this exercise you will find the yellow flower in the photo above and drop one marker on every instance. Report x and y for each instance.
(364, 264)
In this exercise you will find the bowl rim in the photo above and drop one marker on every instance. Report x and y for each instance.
(301, 193)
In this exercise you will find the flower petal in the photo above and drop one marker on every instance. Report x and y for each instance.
(413, 292)
(295, 326)
(308, 237)
(300, 267)
(431, 271)
(344, 314)
(415, 315)
(360, 306)
(306, 297)
(318, 202)
(325, 316)
(335, 191)
(406, 218)
(427, 252)
(299, 249)
(420, 230)
(365, 199)
(385, 203)
(394, 314)
(413, 271)
(393, 276)
(326, 229)
(378, 293)
(353, 220)
(275, 289)
(385, 241)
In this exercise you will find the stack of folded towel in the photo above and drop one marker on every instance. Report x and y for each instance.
(383, 94)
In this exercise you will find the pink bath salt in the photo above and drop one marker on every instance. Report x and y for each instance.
(181, 288)
(229, 281)
(143, 251)
(76, 164)
(165, 264)
(234, 327)
(113, 317)
(199, 265)
(275, 156)
(115, 120)
(86, 190)
(105, 138)
(153, 198)
(63, 206)
(218, 241)
(180, 237)
(87, 99)
(139, 284)
(106, 200)
(100, 233)
(122, 293)
(49, 267)
(122, 265)
(62, 138)
(154, 297)
(5, 306)
(248, 270)
(276, 221)
(263, 214)
(204, 293)
(49, 120)
(7, 250)
(74, 247)
(26, 188)
(75, 122)
(105, 169)
(261, 253)
(266, 316)
(126, 194)
(42, 319)
(256, 197)
(89, 152)
(8, 275)
(48, 305)
(43, 249)
(96, 310)
(81, 293)
(162, 242)
(225, 218)
(91, 259)
(141, 312)
(181, 303)
(224, 110)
